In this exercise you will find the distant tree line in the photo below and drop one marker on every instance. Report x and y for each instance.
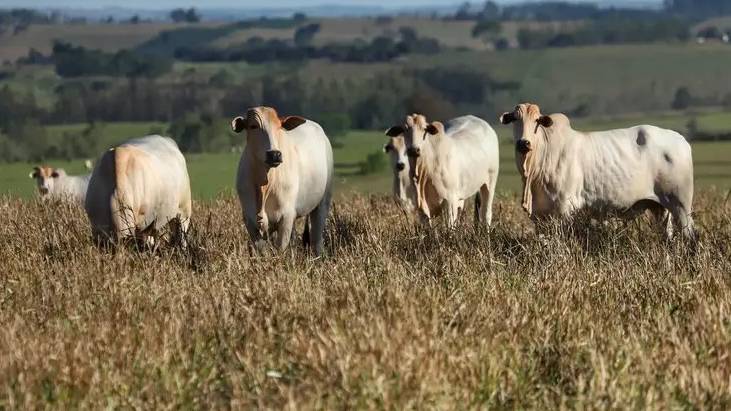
(609, 31)
(199, 109)
(258, 50)
(185, 15)
(16, 21)
(568, 11)
(76, 61)
(168, 42)
(699, 8)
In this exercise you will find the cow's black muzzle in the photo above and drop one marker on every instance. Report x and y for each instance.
(522, 146)
(400, 166)
(273, 158)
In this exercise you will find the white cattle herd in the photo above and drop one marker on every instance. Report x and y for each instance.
(140, 189)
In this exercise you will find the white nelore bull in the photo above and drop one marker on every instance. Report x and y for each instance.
(447, 166)
(138, 190)
(403, 186)
(626, 170)
(285, 172)
(54, 183)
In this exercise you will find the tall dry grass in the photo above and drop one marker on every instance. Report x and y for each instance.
(598, 316)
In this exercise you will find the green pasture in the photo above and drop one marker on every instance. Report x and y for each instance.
(212, 174)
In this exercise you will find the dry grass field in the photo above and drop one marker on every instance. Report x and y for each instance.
(594, 316)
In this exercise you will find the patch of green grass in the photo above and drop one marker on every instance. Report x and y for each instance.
(114, 133)
(212, 174)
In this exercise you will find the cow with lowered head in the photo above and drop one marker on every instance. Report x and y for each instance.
(285, 172)
(140, 190)
(629, 170)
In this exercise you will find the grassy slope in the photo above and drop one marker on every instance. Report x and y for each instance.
(113, 37)
(108, 37)
(450, 33)
(609, 79)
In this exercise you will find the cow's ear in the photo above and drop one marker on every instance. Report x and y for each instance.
(545, 121)
(55, 174)
(507, 118)
(238, 124)
(434, 128)
(395, 131)
(292, 122)
(387, 148)
(33, 174)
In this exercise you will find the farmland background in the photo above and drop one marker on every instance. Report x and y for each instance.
(596, 314)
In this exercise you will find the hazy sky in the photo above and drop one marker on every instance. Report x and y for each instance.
(257, 4)
(165, 4)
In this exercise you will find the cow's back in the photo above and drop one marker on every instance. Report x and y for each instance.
(315, 166)
(165, 162)
(618, 167)
(475, 151)
(139, 182)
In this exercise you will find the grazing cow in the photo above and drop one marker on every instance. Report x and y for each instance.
(285, 172)
(627, 170)
(449, 165)
(138, 190)
(403, 187)
(54, 183)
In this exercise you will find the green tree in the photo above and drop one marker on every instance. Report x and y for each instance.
(682, 99)
(336, 125)
(303, 36)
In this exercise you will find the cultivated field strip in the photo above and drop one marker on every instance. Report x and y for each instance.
(598, 316)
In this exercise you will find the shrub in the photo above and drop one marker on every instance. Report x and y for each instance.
(374, 163)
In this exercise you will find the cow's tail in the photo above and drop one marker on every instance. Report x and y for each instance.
(121, 201)
(306, 233)
(478, 203)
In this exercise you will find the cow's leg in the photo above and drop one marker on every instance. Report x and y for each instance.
(179, 229)
(184, 214)
(284, 230)
(318, 218)
(452, 212)
(184, 227)
(680, 215)
(684, 222)
(664, 220)
(487, 195)
(660, 216)
(252, 227)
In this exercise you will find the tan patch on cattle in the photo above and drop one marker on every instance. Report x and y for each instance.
(262, 116)
(527, 112)
(398, 143)
(126, 210)
(416, 121)
(43, 171)
(272, 116)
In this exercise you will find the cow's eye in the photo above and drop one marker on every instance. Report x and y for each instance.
(253, 127)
